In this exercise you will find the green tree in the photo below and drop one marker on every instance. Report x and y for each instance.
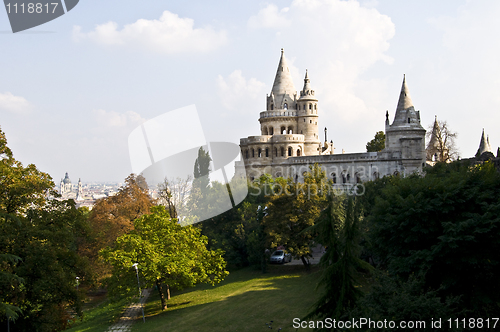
(167, 254)
(292, 208)
(377, 143)
(112, 217)
(338, 229)
(393, 299)
(239, 232)
(202, 168)
(444, 226)
(39, 238)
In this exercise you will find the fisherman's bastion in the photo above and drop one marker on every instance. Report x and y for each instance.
(289, 140)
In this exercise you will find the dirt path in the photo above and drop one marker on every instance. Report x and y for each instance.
(130, 315)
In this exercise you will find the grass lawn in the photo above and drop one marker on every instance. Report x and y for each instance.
(100, 317)
(245, 301)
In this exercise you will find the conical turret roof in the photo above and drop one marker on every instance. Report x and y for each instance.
(405, 112)
(283, 82)
(404, 97)
(484, 145)
(436, 133)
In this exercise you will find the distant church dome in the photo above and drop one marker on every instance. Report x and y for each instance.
(66, 179)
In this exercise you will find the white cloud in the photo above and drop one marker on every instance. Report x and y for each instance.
(14, 104)
(114, 119)
(337, 41)
(238, 93)
(168, 35)
(270, 17)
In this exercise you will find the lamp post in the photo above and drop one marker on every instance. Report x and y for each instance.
(140, 293)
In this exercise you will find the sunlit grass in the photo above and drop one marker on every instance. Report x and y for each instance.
(245, 301)
(99, 318)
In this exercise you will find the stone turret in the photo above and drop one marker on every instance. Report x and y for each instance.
(484, 145)
(308, 118)
(405, 138)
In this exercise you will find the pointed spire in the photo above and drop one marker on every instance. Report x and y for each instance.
(484, 145)
(283, 82)
(404, 97)
(405, 112)
(433, 152)
(307, 83)
(307, 92)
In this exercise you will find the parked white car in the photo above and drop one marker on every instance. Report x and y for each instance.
(280, 256)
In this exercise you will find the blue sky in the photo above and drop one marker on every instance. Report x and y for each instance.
(73, 89)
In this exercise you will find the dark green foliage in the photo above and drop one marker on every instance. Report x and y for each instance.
(338, 229)
(202, 168)
(39, 238)
(445, 227)
(395, 300)
(377, 143)
(239, 231)
(44, 284)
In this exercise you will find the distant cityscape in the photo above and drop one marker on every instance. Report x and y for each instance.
(87, 193)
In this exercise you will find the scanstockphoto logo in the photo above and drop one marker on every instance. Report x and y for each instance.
(166, 147)
(27, 14)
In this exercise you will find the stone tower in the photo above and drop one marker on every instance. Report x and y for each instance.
(308, 118)
(406, 136)
(79, 193)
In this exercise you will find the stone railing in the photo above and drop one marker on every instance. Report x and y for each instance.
(270, 114)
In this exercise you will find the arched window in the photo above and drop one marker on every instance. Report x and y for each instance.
(408, 120)
(246, 154)
(282, 152)
(271, 131)
(358, 178)
(285, 106)
(298, 152)
(290, 130)
(348, 177)
(253, 153)
(267, 152)
(315, 106)
(275, 152)
(304, 107)
(283, 130)
(264, 131)
(344, 180)
(375, 175)
(290, 151)
(310, 106)
(334, 177)
(296, 106)
(272, 107)
(260, 152)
